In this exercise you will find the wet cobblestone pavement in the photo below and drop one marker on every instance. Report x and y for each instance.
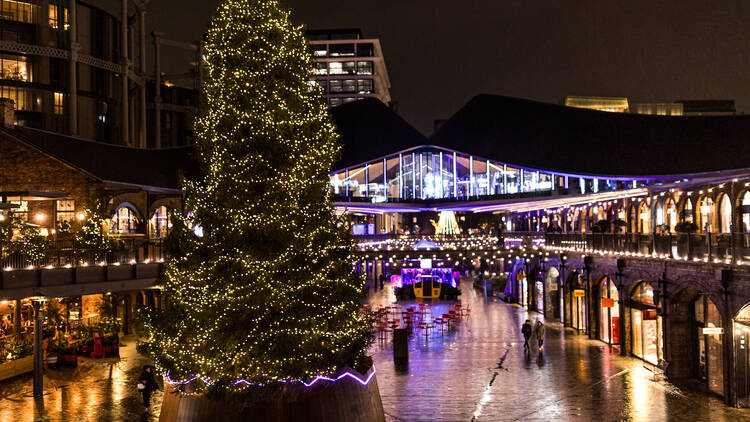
(453, 376)
(450, 377)
(97, 390)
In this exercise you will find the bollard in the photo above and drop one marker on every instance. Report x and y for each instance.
(400, 346)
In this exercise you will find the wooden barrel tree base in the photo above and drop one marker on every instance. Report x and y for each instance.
(344, 400)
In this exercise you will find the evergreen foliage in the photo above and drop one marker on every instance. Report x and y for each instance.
(265, 289)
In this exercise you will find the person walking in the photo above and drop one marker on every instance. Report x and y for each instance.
(539, 330)
(147, 385)
(526, 331)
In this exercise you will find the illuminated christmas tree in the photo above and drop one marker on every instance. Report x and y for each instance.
(260, 286)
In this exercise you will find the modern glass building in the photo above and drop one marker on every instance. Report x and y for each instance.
(428, 173)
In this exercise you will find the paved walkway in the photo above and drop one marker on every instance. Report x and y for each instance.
(97, 390)
(454, 376)
(450, 377)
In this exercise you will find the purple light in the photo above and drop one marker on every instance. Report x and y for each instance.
(307, 385)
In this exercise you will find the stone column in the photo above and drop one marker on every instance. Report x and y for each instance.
(124, 62)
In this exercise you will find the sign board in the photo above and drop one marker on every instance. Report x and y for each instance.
(579, 293)
(553, 287)
(608, 303)
(712, 330)
(649, 315)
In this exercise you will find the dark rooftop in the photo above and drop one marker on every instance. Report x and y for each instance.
(155, 168)
(370, 130)
(555, 137)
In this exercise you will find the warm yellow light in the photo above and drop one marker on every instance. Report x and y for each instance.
(40, 217)
(80, 216)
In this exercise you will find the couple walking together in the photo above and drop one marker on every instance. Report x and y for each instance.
(527, 330)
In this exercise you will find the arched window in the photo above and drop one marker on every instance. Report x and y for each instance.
(160, 225)
(633, 219)
(644, 216)
(725, 214)
(705, 213)
(124, 221)
(670, 210)
(688, 214)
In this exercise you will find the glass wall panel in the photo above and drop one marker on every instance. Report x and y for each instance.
(481, 183)
(544, 182)
(513, 178)
(431, 184)
(447, 175)
(338, 181)
(376, 184)
(364, 68)
(463, 176)
(529, 181)
(357, 184)
(392, 175)
(496, 179)
(407, 171)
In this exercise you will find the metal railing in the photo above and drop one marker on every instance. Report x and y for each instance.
(60, 253)
(691, 246)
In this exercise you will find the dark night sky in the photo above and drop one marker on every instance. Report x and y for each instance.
(440, 53)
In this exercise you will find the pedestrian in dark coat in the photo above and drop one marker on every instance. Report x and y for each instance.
(526, 331)
(147, 385)
(539, 330)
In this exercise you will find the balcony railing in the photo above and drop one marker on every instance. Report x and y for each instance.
(690, 246)
(65, 252)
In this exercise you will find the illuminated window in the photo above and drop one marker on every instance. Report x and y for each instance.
(54, 20)
(364, 68)
(59, 99)
(15, 68)
(19, 11)
(21, 211)
(341, 50)
(365, 86)
(159, 224)
(125, 221)
(65, 212)
(22, 98)
(321, 68)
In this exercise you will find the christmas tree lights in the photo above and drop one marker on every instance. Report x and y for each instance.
(267, 292)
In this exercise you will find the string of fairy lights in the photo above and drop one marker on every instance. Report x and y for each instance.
(267, 292)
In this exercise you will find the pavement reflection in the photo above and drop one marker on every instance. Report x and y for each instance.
(455, 376)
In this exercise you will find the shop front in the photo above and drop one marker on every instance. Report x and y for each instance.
(708, 334)
(522, 288)
(742, 356)
(647, 340)
(575, 302)
(609, 314)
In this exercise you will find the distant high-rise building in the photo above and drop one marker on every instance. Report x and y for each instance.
(78, 67)
(349, 67)
(674, 108)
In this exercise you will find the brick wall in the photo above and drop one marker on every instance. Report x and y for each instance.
(25, 168)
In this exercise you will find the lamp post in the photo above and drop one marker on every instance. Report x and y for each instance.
(38, 302)
(562, 288)
(588, 262)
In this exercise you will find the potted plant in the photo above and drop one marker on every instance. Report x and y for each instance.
(68, 353)
(53, 351)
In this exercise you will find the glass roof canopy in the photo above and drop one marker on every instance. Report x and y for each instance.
(430, 173)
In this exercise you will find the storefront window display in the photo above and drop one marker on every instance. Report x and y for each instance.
(742, 355)
(609, 312)
(647, 340)
(124, 221)
(160, 224)
(709, 349)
